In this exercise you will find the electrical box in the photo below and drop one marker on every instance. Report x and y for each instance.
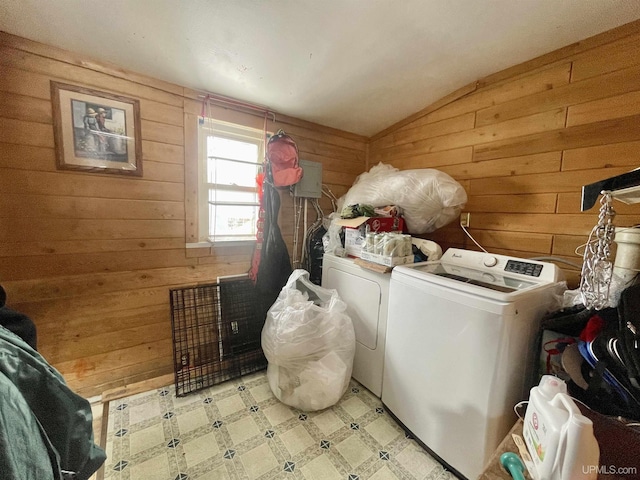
(310, 185)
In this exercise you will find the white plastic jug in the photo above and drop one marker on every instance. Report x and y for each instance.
(559, 438)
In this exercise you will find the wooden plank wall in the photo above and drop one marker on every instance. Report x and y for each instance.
(522, 142)
(90, 257)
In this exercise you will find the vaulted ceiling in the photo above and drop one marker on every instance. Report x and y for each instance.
(355, 65)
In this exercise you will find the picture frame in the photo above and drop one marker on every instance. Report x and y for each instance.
(96, 131)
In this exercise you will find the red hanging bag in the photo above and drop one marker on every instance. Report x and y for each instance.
(282, 153)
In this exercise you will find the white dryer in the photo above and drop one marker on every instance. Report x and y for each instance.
(366, 294)
(459, 346)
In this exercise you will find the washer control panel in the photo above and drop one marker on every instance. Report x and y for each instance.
(501, 264)
(523, 268)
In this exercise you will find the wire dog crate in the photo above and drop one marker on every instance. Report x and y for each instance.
(216, 333)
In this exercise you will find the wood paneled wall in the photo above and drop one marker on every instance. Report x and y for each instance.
(523, 141)
(91, 257)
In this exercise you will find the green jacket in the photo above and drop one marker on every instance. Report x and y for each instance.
(42, 422)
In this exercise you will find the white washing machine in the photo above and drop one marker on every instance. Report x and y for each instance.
(366, 294)
(459, 349)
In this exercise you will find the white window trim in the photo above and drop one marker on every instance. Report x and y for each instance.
(228, 130)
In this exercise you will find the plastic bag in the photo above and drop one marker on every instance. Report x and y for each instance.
(332, 241)
(429, 198)
(309, 342)
(616, 286)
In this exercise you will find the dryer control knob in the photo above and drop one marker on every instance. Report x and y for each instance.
(490, 261)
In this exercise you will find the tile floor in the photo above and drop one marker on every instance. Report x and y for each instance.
(239, 430)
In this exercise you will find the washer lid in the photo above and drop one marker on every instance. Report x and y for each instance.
(491, 280)
(494, 276)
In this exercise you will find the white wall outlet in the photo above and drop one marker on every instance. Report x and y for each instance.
(465, 219)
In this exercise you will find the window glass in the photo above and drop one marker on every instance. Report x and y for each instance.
(229, 172)
(231, 157)
(233, 221)
(235, 196)
(232, 149)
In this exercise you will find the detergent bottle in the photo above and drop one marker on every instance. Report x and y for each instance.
(559, 438)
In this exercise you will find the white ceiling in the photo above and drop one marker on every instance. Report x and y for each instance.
(356, 65)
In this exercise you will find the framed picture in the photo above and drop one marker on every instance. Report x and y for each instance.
(96, 131)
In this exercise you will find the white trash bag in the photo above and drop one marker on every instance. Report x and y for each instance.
(429, 198)
(310, 343)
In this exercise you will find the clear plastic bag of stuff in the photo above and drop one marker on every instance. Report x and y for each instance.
(309, 342)
(429, 198)
(331, 240)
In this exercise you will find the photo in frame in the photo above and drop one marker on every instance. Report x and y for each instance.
(96, 131)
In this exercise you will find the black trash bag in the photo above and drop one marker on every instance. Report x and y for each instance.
(316, 252)
(274, 268)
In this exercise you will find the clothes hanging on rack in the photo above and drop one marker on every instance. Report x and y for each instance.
(46, 430)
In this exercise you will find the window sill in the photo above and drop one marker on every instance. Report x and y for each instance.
(199, 245)
(233, 243)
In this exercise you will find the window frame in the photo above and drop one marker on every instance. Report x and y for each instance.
(211, 127)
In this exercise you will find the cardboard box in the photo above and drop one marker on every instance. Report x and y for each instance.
(356, 229)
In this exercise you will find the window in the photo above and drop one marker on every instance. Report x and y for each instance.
(230, 158)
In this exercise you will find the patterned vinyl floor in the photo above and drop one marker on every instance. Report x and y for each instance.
(238, 430)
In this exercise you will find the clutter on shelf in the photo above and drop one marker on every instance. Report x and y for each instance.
(384, 201)
(356, 229)
(428, 198)
(380, 239)
(597, 353)
(598, 272)
(593, 341)
(390, 248)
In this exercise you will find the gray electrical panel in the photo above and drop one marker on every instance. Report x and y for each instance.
(310, 185)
